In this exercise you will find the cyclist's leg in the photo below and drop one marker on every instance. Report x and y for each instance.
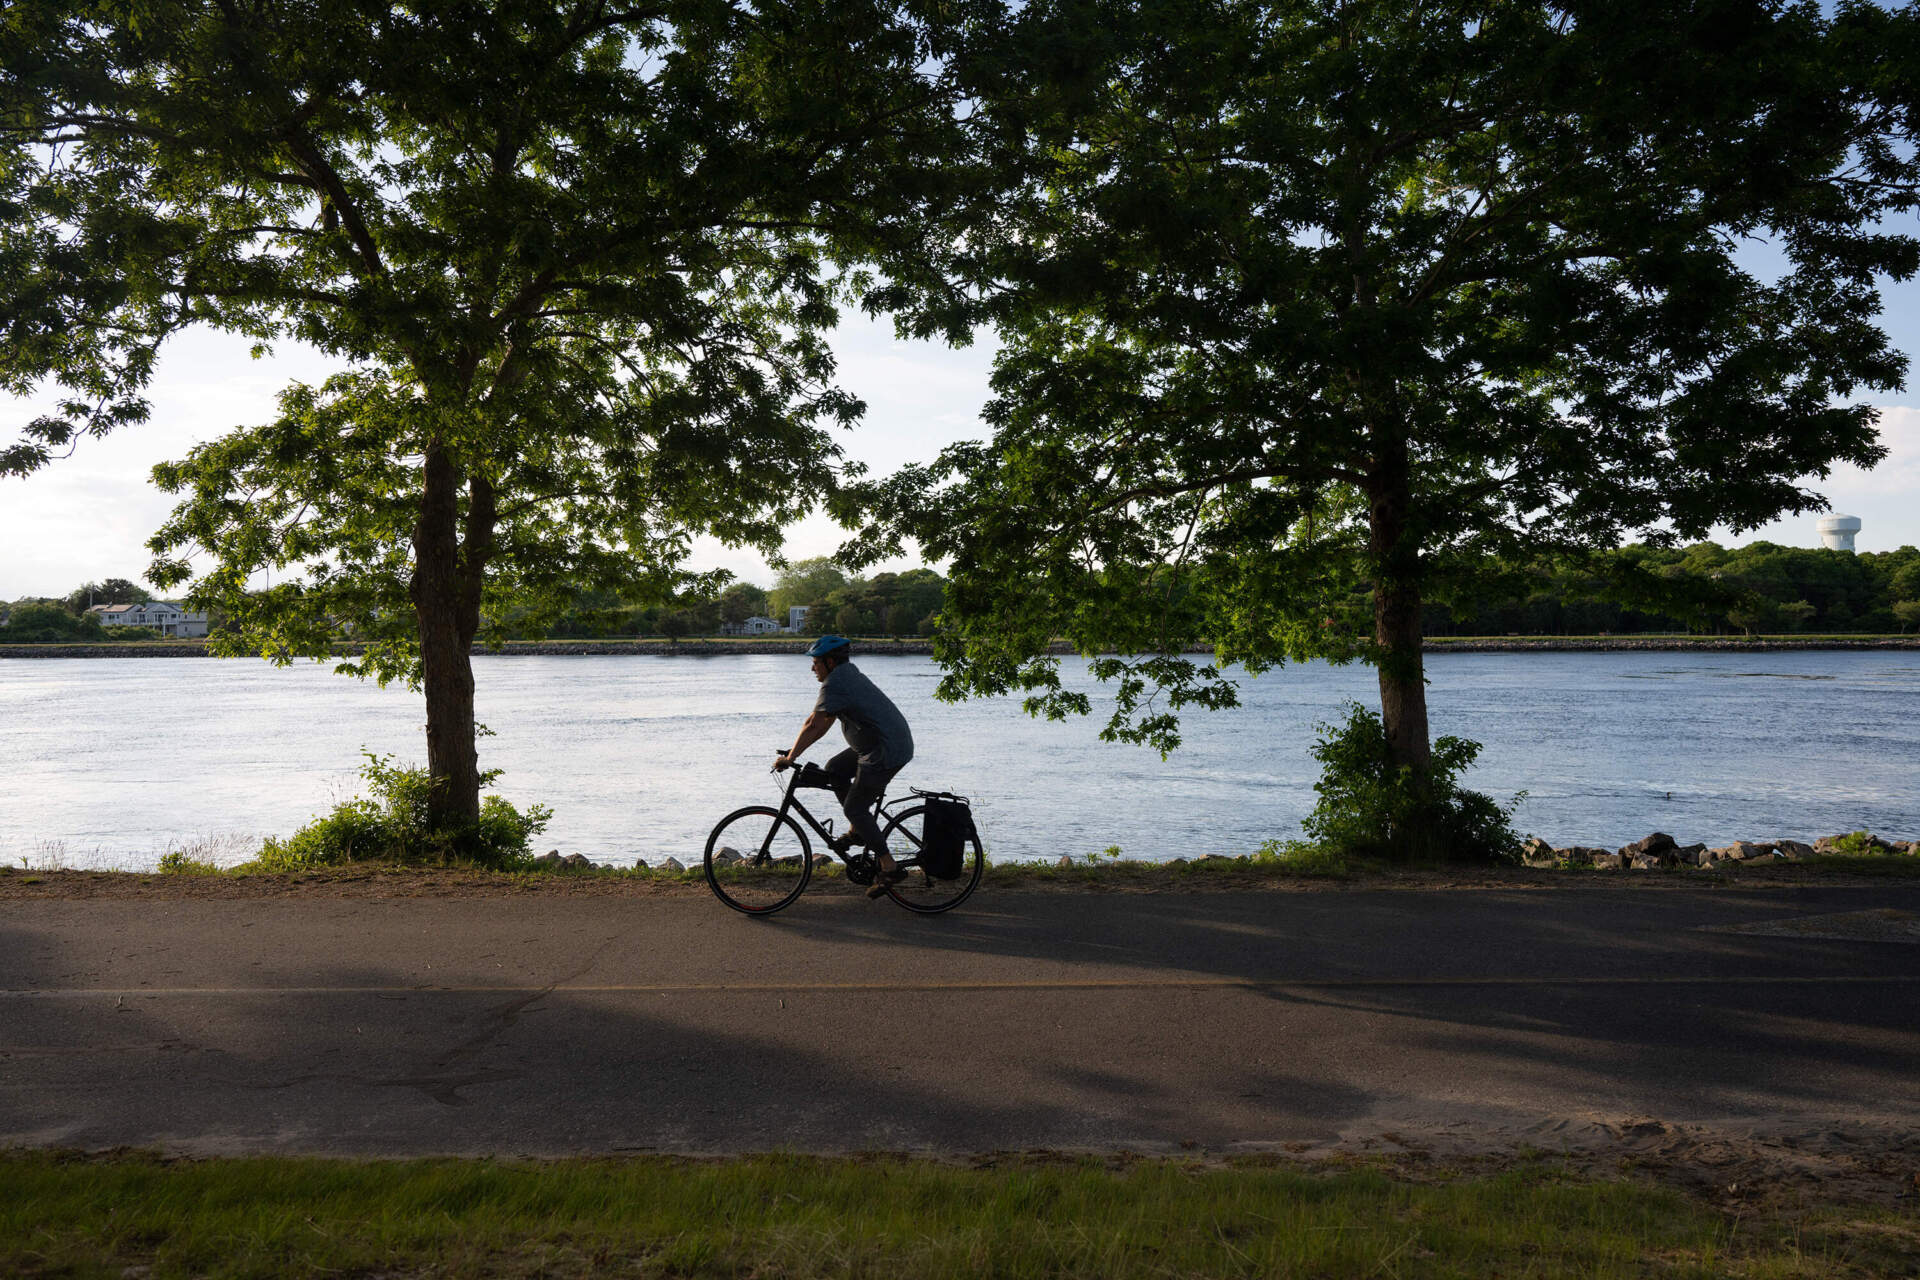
(860, 801)
(841, 770)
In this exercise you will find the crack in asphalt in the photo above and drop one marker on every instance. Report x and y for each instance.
(436, 1082)
(444, 1089)
(497, 1020)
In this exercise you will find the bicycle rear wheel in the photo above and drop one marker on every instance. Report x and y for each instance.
(758, 860)
(920, 891)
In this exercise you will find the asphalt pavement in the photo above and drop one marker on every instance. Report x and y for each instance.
(1146, 1022)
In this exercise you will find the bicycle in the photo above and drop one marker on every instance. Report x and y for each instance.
(758, 858)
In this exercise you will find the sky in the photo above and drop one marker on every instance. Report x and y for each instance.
(87, 517)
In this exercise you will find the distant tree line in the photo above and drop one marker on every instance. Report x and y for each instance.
(886, 604)
(1701, 589)
(1705, 588)
(65, 619)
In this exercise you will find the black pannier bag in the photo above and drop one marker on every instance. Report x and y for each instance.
(944, 833)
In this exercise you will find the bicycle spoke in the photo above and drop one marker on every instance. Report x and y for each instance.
(757, 860)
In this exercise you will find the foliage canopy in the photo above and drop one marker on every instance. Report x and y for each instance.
(576, 258)
(1298, 299)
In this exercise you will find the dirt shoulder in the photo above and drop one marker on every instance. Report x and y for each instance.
(17, 884)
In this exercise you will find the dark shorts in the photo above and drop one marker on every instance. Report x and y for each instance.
(858, 785)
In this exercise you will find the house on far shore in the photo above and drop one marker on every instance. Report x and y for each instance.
(796, 618)
(755, 626)
(164, 616)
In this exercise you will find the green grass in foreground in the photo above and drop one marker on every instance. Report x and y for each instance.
(789, 1216)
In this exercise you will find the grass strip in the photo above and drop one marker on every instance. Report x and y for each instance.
(796, 1216)
(1221, 875)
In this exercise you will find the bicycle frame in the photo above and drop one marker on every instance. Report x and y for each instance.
(792, 803)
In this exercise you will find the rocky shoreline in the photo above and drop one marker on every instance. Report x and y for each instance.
(1659, 850)
(731, 648)
(1649, 853)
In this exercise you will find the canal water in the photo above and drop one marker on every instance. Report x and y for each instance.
(112, 762)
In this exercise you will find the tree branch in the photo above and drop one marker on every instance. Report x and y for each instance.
(1246, 474)
(336, 192)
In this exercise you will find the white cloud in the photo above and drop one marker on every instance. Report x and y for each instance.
(1898, 474)
(88, 516)
(1887, 498)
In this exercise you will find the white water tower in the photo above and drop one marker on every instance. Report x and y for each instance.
(1837, 532)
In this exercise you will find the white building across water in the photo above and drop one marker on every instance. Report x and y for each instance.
(164, 616)
(755, 626)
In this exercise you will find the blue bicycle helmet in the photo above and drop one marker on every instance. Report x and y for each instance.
(826, 646)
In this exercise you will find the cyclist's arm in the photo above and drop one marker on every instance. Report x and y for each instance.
(811, 732)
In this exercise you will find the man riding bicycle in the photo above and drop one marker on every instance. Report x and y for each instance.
(879, 745)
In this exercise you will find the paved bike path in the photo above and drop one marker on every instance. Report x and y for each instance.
(1151, 1022)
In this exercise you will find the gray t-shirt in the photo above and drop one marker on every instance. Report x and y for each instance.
(873, 725)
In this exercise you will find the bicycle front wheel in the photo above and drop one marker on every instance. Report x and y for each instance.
(920, 891)
(758, 860)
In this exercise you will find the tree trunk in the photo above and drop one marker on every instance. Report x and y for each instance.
(1403, 683)
(1397, 629)
(447, 626)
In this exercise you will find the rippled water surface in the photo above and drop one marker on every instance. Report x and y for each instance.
(110, 762)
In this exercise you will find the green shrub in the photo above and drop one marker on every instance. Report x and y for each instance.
(179, 862)
(1369, 807)
(1302, 858)
(1855, 844)
(393, 826)
(356, 831)
(1863, 844)
(48, 624)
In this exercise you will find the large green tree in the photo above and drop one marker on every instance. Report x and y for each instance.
(741, 601)
(1303, 296)
(576, 257)
(112, 591)
(804, 582)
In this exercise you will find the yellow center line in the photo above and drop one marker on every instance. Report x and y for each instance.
(1037, 984)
